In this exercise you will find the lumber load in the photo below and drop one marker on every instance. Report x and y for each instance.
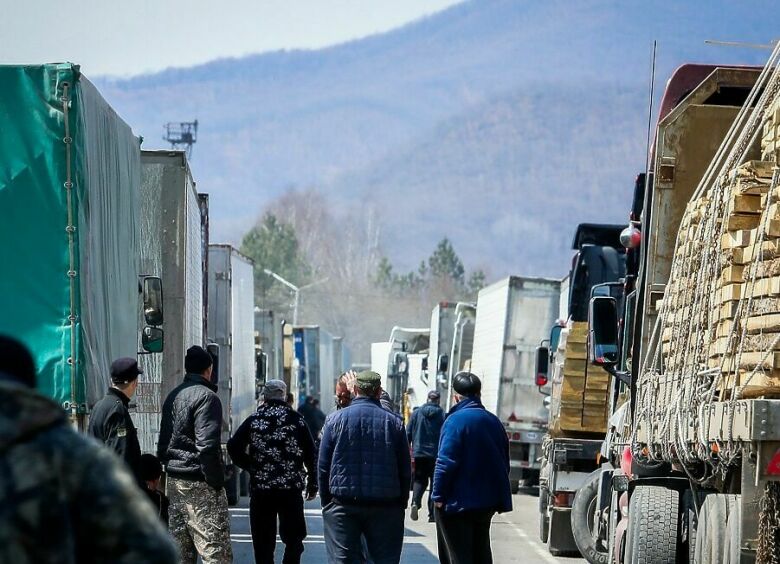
(579, 402)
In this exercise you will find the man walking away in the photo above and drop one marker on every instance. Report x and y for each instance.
(423, 433)
(65, 499)
(364, 474)
(274, 445)
(190, 448)
(471, 478)
(110, 420)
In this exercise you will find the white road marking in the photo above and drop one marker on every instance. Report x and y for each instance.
(546, 556)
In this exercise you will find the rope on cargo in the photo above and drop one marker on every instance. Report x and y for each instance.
(678, 388)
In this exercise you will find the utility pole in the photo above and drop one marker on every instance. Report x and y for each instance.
(182, 134)
(295, 289)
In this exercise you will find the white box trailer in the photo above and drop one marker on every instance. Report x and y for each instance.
(172, 226)
(514, 316)
(232, 327)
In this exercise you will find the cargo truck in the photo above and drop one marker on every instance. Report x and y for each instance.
(513, 316)
(73, 289)
(173, 229)
(306, 367)
(402, 361)
(451, 344)
(579, 404)
(268, 345)
(232, 343)
(693, 452)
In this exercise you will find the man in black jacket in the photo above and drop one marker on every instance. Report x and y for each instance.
(110, 420)
(423, 433)
(190, 448)
(274, 445)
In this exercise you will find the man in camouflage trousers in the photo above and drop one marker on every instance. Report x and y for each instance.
(64, 499)
(190, 448)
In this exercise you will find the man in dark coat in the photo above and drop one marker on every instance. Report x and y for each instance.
(189, 446)
(423, 433)
(471, 478)
(274, 445)
(110, 420)
(65, 499)
(364, 472)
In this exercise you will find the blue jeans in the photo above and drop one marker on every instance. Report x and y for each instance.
(382, 527)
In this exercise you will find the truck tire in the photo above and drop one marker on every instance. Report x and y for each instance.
(711, 529)
(653, 526)
(584, 522)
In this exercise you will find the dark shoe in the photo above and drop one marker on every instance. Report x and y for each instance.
(431, 520)
(415, 514)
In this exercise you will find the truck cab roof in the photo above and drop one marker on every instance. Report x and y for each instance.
(601, 234)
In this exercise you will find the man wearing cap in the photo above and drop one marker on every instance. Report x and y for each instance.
(190, 447)
(275, 446)
(364, 472)
(471, 478)
(110, 420)
(423, 434)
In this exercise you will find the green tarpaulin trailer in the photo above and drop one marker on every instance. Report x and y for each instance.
(69, 195)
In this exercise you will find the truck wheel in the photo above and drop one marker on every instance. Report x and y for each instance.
(544, 527)
(585, 522)
(544, 518)
(711, 529)
(653, 526)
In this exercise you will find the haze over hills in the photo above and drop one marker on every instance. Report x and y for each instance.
(499, 123)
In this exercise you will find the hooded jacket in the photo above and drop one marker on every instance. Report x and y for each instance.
(65, 498)
(472, 468)
(190, 432)
(424, 430)
(364, 456)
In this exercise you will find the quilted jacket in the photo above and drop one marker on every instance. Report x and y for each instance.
(364, 456)
(190, 430)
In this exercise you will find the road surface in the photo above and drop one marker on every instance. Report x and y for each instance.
(515, 537)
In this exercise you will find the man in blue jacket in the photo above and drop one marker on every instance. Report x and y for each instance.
(423, 432)
(471, 478)
(364, 473)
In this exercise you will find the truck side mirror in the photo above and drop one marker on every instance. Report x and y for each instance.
(442, 364)
(603, 331)
(152, 340)
(542, 366)
(213, 350)
(555, 337)
(153, 300)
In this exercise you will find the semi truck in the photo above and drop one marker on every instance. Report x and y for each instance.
(578, 406)
(268, 345)
(173, 227)
(306, 366)
(451, 344)
(232, 344)
(73, 290)
(691, 472)
(513, 316)
(402, 361)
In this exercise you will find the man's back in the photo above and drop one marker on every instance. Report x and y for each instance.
(111, 424)
(472, 468)
(190, 432)
(425, 430)
(364, 456)
(62, 488)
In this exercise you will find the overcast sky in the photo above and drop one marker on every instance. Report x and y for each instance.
(124, 37)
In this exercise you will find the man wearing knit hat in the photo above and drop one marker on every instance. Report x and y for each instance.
(110, 421)
(364, 472)
(190, 448)
(274, 445)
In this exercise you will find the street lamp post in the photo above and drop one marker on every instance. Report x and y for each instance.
(295, 289)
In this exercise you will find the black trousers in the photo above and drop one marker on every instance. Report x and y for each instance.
(264, 508)
(423, 476)
(464, 538)
(350, 530)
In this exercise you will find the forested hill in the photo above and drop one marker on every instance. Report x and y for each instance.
(500, 123)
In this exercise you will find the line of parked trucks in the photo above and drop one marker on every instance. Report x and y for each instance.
(639, 391)
(107, 254)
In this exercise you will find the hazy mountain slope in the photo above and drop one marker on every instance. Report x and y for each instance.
(371, 116)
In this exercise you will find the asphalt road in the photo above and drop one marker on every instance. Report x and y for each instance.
(515, 537)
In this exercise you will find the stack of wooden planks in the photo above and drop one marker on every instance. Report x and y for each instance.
(746, 291)
(580, 391)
